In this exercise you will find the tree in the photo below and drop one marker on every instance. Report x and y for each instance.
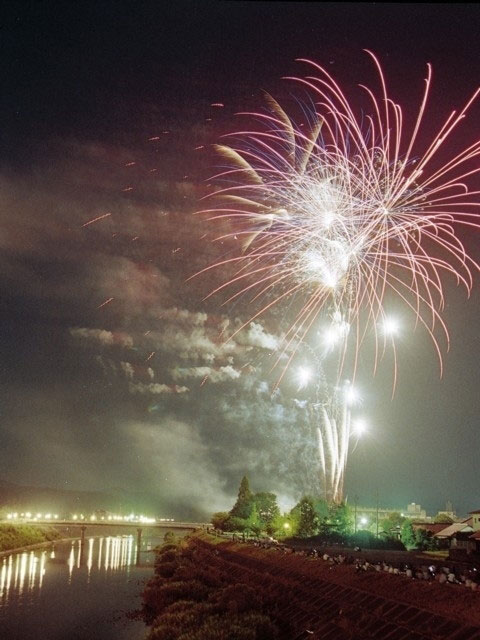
(392, 524)
(324, 529)
(267, 509)
(407, 535)
(442, 518)
(243, 506)
(308, 522)
(321, 508)
(340, 518)
(254, 524)
(285, 525)
(237, 524)
(220, 519)
(424, 540)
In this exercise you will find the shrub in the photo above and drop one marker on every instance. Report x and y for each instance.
(220, 519)
(209, 576)
(170, 538)
(199, 609)
(165, 556)
(163, 632)
(251, 626)
(165, 569)
(169, 546)
(367, 540)
(157, 596)
(190, 597)
(238, 598)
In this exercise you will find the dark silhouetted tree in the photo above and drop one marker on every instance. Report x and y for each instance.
(243, 506)
(220, 519)
(424, 540)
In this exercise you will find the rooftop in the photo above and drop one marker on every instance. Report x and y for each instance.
(452, 529)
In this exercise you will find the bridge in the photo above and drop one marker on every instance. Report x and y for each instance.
(119, 524)
(110, 527)
(104, 528)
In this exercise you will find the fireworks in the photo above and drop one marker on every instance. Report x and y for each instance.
(338, 214)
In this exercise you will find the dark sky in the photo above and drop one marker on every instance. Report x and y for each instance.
(98, 397)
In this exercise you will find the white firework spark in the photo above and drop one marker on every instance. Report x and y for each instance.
(339, 215)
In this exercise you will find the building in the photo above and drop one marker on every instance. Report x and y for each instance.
(370, 513)
(449, 512)
(415, 512)
(457, 536)
(430, 527)
(475, 515)
(475, 536)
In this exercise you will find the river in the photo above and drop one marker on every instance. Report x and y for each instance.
(65, 592)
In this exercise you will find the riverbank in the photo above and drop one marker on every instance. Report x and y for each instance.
(447, 601)
(39, 545)
(23, 537)
(193, 595)
(205, 585)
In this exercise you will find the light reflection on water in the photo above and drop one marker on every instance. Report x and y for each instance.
(27, 570)
(74, 590)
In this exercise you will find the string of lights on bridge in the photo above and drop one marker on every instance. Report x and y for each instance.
(94, 517)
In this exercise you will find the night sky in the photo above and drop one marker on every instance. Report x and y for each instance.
(114, 372)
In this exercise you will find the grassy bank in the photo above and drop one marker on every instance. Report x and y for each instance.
(21, 535)
(306, 577)
(193, 596)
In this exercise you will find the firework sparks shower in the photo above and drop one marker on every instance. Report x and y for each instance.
(334, 216)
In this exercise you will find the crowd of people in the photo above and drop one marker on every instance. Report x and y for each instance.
(467, 576)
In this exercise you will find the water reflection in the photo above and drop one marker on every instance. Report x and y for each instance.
(21, 572)
(25, 572)
(75, 590)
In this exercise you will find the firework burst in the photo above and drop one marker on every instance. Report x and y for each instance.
(341, 213)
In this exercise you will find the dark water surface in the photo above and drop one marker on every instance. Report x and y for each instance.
(70, 593)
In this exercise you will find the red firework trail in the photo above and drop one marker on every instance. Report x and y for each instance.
(346, 214)
(107, 301)
(335, 220)
(102, 217)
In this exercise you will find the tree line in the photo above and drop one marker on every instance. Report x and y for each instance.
(258, 513)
